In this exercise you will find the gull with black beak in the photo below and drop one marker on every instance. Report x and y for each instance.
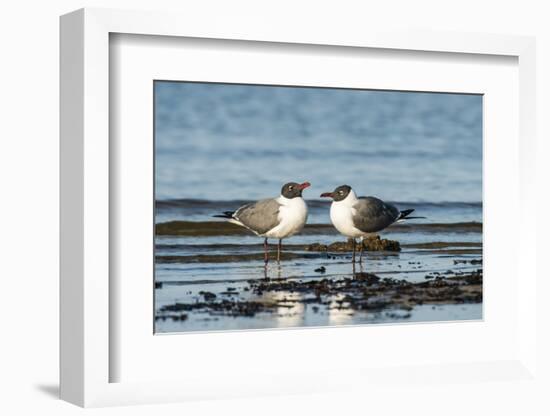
(356, 217)
(279, 217)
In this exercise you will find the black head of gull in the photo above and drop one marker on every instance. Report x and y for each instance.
(339, 194)
(293, 189)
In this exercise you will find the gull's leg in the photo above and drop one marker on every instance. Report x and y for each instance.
(279, 247)
(361, 250)
(353, 255)
(266, 256)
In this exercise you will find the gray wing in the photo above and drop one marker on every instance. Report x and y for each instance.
(259, 216)
(373, 215)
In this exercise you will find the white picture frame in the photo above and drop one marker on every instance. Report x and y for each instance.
(87, 356)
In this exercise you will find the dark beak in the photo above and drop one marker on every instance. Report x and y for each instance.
(327, 195)
(304, 185)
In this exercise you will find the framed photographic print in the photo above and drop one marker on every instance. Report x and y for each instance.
(298, 205)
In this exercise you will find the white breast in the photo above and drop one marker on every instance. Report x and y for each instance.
(292, 217)
(341, 215)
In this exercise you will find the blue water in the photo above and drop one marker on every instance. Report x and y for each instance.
(318, 210)
(240, 142)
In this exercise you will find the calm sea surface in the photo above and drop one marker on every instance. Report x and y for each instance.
(219, 146)
(233, 142)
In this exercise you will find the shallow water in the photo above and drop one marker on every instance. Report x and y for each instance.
(183, 280)
(318, 211)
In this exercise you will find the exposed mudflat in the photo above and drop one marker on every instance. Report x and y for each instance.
(362, 292)
(211, 276)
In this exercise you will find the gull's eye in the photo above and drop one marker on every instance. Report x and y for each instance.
(341, 192)
(290, 188)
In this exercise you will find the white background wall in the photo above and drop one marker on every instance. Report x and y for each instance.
(29, 56)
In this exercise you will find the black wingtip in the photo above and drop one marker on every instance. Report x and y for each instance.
(226, 214)
(404, 215)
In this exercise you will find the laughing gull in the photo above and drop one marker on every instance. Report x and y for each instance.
(273, 218)
(357, 217)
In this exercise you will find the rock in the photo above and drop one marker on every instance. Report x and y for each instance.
(474, 261)
(208, 295)
(368, 278)
(374, 243)
(316, 247)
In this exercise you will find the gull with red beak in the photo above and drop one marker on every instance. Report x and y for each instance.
(356, 217)
(279, 217)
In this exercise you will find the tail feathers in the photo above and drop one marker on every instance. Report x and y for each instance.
(404, 215)
(226, 214)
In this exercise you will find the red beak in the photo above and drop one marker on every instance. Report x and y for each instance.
(327, 195)
(304, 185)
